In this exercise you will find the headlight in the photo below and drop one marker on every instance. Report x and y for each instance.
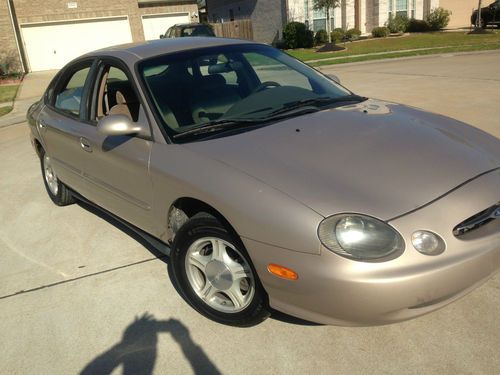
(360, 237)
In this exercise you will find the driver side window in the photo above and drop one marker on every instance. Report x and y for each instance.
(116, 95)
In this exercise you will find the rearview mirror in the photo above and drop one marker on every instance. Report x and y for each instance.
(334, 78)
(120, 125)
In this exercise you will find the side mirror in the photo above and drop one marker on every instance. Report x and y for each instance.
(120, 125)
(334, 78)
(162, 36)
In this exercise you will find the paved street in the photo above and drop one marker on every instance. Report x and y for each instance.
(74, 285)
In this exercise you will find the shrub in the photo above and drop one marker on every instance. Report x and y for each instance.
(295, 35)
(380, 32)
(8, 63)
(353, 34)
(321, 37)
(338, 35)
(308, 39)
(417, 26)
(398, 24)
(438, 19)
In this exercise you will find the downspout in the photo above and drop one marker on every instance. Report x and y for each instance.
(15, 27)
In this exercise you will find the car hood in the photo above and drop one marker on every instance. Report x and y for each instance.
(376, 158)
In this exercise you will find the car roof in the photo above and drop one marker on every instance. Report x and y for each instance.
(157, 47)
(190, 24)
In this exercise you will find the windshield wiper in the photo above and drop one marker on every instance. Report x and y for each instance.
(215, 125)
(316, 102)
(297, 107)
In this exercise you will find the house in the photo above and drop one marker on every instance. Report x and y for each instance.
(43, 35)
(269, 16)
(461, 11)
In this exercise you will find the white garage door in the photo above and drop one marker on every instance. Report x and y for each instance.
(156, 24)
(51, 46)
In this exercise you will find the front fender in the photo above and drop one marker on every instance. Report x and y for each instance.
(254, 209)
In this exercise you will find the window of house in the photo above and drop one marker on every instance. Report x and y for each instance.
(402, 7)
(231, 15)
(319, 20)
(69, 97)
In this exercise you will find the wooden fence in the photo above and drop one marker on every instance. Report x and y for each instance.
(241, 29)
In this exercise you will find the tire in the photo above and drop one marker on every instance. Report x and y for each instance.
(57, 191)
(222, 285)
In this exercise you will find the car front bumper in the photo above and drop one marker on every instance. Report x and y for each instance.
(335, 290)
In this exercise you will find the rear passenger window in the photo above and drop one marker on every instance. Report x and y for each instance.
(68, 98)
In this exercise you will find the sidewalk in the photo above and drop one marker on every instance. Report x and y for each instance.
(385, 53)
(30, 91)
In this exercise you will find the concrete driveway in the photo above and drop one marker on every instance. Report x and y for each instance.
(74, 285)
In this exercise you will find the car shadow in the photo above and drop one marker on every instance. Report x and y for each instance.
(153, 248)
(137, 350)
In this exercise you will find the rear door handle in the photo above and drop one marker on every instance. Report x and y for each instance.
(84, 142)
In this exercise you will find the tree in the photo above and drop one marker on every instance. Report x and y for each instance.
(327, 6)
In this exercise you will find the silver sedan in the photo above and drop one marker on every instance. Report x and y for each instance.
(274, 186)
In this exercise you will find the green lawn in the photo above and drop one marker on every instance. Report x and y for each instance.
(5, 110)
(8, 93)
(458, 40)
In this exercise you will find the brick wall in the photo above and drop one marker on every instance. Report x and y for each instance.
(8, 47)
(267, 16)
(29, 11)
(461, 10)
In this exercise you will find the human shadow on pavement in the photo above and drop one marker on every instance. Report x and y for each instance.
(137, 350)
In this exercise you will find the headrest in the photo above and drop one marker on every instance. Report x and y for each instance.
(120, 98)
(213, 80)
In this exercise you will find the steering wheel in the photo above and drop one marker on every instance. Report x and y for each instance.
(264, 85)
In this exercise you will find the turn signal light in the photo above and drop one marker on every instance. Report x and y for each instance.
(283, 272)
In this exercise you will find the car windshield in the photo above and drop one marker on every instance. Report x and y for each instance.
(196, 31)
(245, 84)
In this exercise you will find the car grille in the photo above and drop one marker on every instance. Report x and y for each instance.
(477, 220)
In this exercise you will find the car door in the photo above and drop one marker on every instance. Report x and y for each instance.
(117, 167)
(61, 126)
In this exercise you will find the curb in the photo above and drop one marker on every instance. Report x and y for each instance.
(447, 54)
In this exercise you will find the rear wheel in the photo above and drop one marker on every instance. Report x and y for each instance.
(58, 192)
(215, 274)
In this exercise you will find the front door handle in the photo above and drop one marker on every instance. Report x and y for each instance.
(84, 142)
(42, 124)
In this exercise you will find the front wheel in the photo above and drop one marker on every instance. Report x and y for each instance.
(215, 274)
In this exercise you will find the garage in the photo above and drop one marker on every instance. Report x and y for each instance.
(156, 24)
(52, 45)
